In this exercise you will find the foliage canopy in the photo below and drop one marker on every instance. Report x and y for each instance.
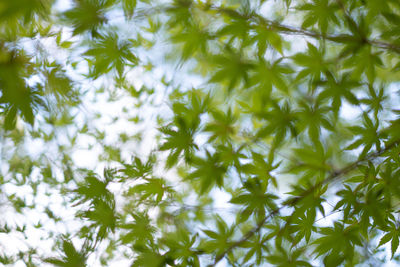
(199, 133)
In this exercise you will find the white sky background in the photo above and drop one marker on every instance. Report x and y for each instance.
(88, 158)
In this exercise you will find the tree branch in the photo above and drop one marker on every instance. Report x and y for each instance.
(291, 30)
(279, 27)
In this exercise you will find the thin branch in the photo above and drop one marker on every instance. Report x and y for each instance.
(275, 25)
(292, 30)
(327, 215)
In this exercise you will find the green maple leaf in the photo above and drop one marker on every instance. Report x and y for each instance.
(179, 141)
(392, 235)
(313, 116)
(303, 226)
(222, 127)
(283, 258)
(87, 15)
(267, 74)
(103, 216)
(339, 241)
(129, 7)
(320, 12)
(264, 37)
(192, 38)
(232, 68)
(313, 63)
(338, 89)
(17, 97)
(261, 168)
(348, 202)
(208, 171)
(255, 198)
(368, 136)
(181, 246)
(71, 257)
(92, 189)
(152, 187)
(218, 239)
(138, 168)
(109, 52)
(375, 99)
(280, 120)
(139, 231)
